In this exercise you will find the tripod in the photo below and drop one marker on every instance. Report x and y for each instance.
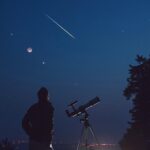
(83, 143)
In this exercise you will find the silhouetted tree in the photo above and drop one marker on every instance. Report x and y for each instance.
(137, 136)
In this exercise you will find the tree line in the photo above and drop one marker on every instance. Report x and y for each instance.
(137, 136)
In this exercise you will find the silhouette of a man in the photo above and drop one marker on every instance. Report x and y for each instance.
(38, 122)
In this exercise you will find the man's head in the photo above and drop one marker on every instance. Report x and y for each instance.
(43, 94)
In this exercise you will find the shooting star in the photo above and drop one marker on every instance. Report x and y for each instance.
(67, 32)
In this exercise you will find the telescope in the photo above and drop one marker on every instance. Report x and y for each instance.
(81, 109)
(81, 112)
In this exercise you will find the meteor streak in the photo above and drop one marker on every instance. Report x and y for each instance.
(67, 32)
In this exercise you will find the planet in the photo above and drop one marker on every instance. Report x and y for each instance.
(29, 50)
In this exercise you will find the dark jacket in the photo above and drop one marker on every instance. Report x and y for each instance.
(38, 122)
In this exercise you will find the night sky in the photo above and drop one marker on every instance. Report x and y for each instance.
(108, 35)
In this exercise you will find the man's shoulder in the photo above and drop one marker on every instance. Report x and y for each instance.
(37, 106)
(33, 107)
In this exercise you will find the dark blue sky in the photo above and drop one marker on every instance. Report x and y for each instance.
(108, 34)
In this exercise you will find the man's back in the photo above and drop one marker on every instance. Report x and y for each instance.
(40, 117)
(38, 121)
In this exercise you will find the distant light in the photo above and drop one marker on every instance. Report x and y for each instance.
(29, 50)
(51, 146)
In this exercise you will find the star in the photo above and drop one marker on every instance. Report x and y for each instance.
(11, 34)
(43, 62)
(122, 30)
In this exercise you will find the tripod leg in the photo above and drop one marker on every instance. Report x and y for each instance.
(86, 138)
(83, 142)
(94, 135)
(82, 134)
